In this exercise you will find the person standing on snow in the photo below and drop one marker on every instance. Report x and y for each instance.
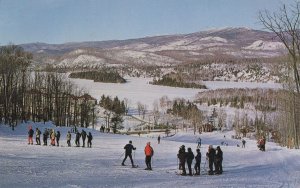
(198, 162)
(69, 136)
(52, 136)
(90, 138)
(199, 143)
(83, 135)
(149, 153)
(182, 158)
(128, 153)
(243, 143)
(211, 159)
(57, 138)
(158, 139)
(30, 135)
(218, 160)
(45, 136)
(77, 142)
(37, 136)
(189, 159)
(261, 144)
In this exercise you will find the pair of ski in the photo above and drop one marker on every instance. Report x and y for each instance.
(194, 175)
(134, 166)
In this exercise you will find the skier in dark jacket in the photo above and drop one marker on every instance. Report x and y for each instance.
(90, 138)
(77, 142)
(128, 153)
(57, 138)
(30, 135)
(45, 136)
(243, 143)
(83, 135)
(38, 136)
(198, 162)
(182, 158)
(218, 160)
(211, 159)
(189, 159)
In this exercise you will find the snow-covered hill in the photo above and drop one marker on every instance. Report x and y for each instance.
(25, 165)
(265, 45)
(162, 50)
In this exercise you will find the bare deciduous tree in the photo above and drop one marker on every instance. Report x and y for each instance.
(155, 112)
(285, 23)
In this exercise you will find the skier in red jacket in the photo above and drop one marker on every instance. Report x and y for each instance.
(149, 153)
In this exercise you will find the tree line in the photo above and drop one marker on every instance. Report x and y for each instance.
(261, 99)
(188, 111)
(103, 75)
(273, 112)
(116, 108)
(175, 80)
(36, 96)
(115, 105)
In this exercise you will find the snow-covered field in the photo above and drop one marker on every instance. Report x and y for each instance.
(136, 90)
(139, 89)
(23, 165)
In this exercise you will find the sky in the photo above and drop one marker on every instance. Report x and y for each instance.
(61, 21)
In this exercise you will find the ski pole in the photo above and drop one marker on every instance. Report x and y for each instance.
(204, 165)
(121, 155)
(193, 169)
(152, 161)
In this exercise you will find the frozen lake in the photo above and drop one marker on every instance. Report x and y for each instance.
(136, 90)
(139, 89)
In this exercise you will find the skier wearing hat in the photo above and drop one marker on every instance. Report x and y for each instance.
(189, 159)
(218, 160)
(30, 135)
(128, 153)
(182, 158)
(198, 162)
(149, 153)
(210, 155)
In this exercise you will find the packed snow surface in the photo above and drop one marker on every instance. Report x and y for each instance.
(25, 165)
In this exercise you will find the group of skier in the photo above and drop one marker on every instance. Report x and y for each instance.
(83, 135)
(188, 157)
(214, 157)
(149, 152)
(55, 137)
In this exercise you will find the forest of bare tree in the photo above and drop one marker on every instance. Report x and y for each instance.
(35, 96)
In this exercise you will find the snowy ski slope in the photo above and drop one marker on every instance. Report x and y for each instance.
(23, 165)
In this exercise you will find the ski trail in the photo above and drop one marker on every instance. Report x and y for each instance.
(25, 165)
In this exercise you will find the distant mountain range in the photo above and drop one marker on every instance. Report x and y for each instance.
(160, 50)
